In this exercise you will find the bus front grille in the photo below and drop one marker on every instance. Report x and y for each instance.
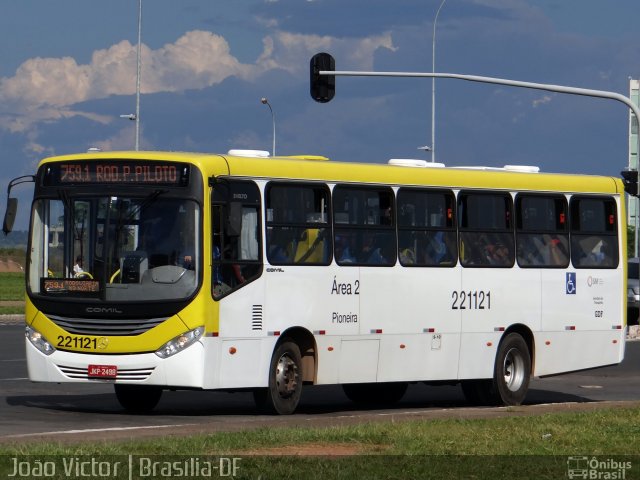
(106, 327)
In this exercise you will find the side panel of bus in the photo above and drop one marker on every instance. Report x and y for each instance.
(420, 337)
(492, 300)
(406, 323)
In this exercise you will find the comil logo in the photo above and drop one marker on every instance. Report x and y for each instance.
(598, 469)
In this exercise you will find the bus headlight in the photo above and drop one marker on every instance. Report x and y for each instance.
(38, 341)
(179, 343)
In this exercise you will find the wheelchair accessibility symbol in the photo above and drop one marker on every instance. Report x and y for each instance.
(571, 283)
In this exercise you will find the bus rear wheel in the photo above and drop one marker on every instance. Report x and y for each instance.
(138, 398)
(512, 372)
(375, 393)
(285, 381)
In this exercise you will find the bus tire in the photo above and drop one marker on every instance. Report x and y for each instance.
(138, 398)
(512, 371)
(375, 393)
(285, 381)
(510, 382)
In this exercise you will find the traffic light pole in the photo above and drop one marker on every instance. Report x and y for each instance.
(496, 81)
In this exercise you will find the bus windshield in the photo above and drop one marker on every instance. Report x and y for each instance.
(115, 248)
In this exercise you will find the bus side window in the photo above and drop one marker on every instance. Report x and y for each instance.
(594, 232)
(298, 224)
(486, 230)
(426, 228)
(364, 226)
(542, 233)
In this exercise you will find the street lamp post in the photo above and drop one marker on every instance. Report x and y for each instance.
(137, 119)
(265, 101)
(433, 86)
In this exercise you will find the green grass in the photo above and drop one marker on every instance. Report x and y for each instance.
(535, 446)
(12, 310)
(11, 286)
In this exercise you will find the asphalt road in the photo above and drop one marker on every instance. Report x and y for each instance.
(33, 411)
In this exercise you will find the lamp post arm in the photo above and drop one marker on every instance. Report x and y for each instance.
(495, 80)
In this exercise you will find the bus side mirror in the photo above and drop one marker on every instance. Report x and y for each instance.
(10, 215)
(323, 87)
(12, 203)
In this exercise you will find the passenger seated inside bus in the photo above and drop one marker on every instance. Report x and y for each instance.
(497, 254)
(373, 250)
(440, 248)
(344, 249)
(539, 250)
(593, 251)
(485, 249)
(77, 268)
(407, 256)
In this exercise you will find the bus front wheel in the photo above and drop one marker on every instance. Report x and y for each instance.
(138, 398)
(285, 381)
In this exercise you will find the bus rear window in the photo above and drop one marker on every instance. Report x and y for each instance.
(594, 238)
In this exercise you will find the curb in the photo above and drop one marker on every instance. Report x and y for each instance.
(16, 319)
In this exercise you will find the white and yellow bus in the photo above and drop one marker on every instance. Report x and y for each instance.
(159, 270)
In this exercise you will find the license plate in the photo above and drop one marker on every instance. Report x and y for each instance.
(102, 371)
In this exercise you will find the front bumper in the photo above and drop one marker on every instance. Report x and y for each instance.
(185, 369)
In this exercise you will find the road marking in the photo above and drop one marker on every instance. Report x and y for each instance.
(96, 430)
(13, 379)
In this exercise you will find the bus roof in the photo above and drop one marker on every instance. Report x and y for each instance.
(317, 168)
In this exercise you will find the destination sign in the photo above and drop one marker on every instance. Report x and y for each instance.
(117, 172)
(67, 285)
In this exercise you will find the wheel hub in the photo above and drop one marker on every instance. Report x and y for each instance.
(286, 376)
(513, 369)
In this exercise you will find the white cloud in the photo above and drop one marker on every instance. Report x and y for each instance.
(292, 51)
(123, 139)
(197, 59)
(541, 101)
(45, 89)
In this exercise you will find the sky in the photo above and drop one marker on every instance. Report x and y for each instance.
(68, 71)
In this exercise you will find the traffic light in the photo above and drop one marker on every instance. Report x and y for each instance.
(630, 180)
(323, 87)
